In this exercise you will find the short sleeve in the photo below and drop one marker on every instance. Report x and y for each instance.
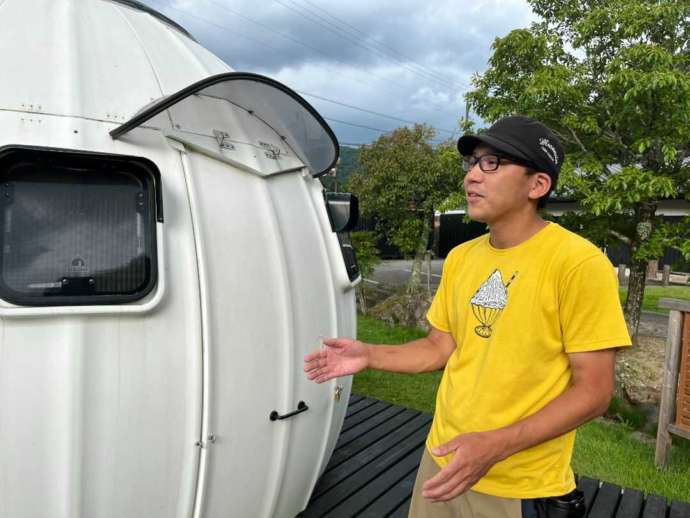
(589, 307)
(438, 312)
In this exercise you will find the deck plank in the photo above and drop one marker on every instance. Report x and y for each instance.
(357, 438)
(589, 487)
(366, 474)
(606, 501)
(391, 436)
(654, 507)
(373, 467)
(403, 510)
(385, 493)
(364, 415)
(354, 398)
(679, 510)
(631, 504)
(357, 406)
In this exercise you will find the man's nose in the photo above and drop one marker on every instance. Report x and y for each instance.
(475, 174)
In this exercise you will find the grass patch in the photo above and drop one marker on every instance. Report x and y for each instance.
(610, 451)
(652, 294)
(416, 391)
(604, 450)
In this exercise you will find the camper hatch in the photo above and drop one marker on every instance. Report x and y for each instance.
(168, 258)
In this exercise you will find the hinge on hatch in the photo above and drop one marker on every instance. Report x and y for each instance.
(222, 137)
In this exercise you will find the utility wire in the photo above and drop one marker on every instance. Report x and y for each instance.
(294, 40)
(378, 114)
(328, 26)
(358, 125)
(372, 44)
(347, 35)
(266, 27)
(299, 42)
(225, 28)
(235, 32)
(378, 43)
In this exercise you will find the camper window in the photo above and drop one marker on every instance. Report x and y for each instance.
(77, 228)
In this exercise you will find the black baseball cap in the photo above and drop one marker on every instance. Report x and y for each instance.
(522, 138)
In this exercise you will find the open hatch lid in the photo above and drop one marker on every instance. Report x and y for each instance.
(292, 118)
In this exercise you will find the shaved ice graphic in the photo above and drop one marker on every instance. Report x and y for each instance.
(489, 301)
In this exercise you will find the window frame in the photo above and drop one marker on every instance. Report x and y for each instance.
(142, 168)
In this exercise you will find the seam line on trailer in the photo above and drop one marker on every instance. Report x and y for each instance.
(146, 53)
(199, 490)
(277, 484)
(69, 116)
(333, 324)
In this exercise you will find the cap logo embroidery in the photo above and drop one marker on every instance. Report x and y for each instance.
(548, 149)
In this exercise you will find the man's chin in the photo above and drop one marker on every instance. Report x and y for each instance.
(476, 216)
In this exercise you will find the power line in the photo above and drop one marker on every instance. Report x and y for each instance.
(294, 40)
(365, 110)
(290, 38)
(347, 35)
(357, 125)
(385, 132)
(220, 27)
(225, 28)
(266, 27)
(354, 29)
(343, 34)
(378, 114)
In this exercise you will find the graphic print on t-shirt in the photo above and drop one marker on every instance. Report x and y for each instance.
(489, 301)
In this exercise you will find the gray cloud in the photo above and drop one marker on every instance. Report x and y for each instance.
(406, 58)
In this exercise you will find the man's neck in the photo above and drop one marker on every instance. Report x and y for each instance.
(507, 234)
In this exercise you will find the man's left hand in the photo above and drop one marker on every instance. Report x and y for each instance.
(473, 456)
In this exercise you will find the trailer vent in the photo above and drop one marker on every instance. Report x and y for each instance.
(683, 402)
(76, 228)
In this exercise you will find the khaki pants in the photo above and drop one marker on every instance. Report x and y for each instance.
(468, 505)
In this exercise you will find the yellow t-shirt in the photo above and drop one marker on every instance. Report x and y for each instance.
(514, 314)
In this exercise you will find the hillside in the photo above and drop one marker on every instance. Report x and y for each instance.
(349, 162)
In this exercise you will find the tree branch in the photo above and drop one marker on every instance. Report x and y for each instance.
(579, 142)
(621, 237)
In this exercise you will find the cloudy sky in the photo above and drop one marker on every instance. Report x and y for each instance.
(398, 61)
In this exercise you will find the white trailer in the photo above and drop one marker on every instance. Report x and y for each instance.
(167, 259)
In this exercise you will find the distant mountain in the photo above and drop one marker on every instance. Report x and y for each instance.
(348, 163)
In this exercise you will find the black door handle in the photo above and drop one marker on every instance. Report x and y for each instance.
(301, 407)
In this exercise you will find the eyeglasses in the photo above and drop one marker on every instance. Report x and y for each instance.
(489, 163)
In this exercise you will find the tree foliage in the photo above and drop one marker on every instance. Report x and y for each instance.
(612, 79)
(401, 180)
(348, 162)
(364, 244)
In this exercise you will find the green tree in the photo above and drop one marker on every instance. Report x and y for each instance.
(401, 179)
(347, 163)
(612, 79)
(364, 244)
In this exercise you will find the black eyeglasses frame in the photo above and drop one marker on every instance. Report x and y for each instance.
(469, 161)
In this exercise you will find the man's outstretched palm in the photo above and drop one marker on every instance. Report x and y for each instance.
(339, 357)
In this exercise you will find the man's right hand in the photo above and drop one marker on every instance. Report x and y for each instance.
(339, 357)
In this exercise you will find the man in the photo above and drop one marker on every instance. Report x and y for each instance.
(525, 323)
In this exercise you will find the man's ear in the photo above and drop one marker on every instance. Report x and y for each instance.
(540, 183)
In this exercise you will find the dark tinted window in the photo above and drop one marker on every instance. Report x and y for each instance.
(77, 228)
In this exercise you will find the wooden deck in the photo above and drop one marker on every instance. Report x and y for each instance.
(375, 461)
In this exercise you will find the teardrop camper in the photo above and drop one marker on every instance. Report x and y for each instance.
(168, 257)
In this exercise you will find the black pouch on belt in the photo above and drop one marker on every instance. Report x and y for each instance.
(571, 505)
